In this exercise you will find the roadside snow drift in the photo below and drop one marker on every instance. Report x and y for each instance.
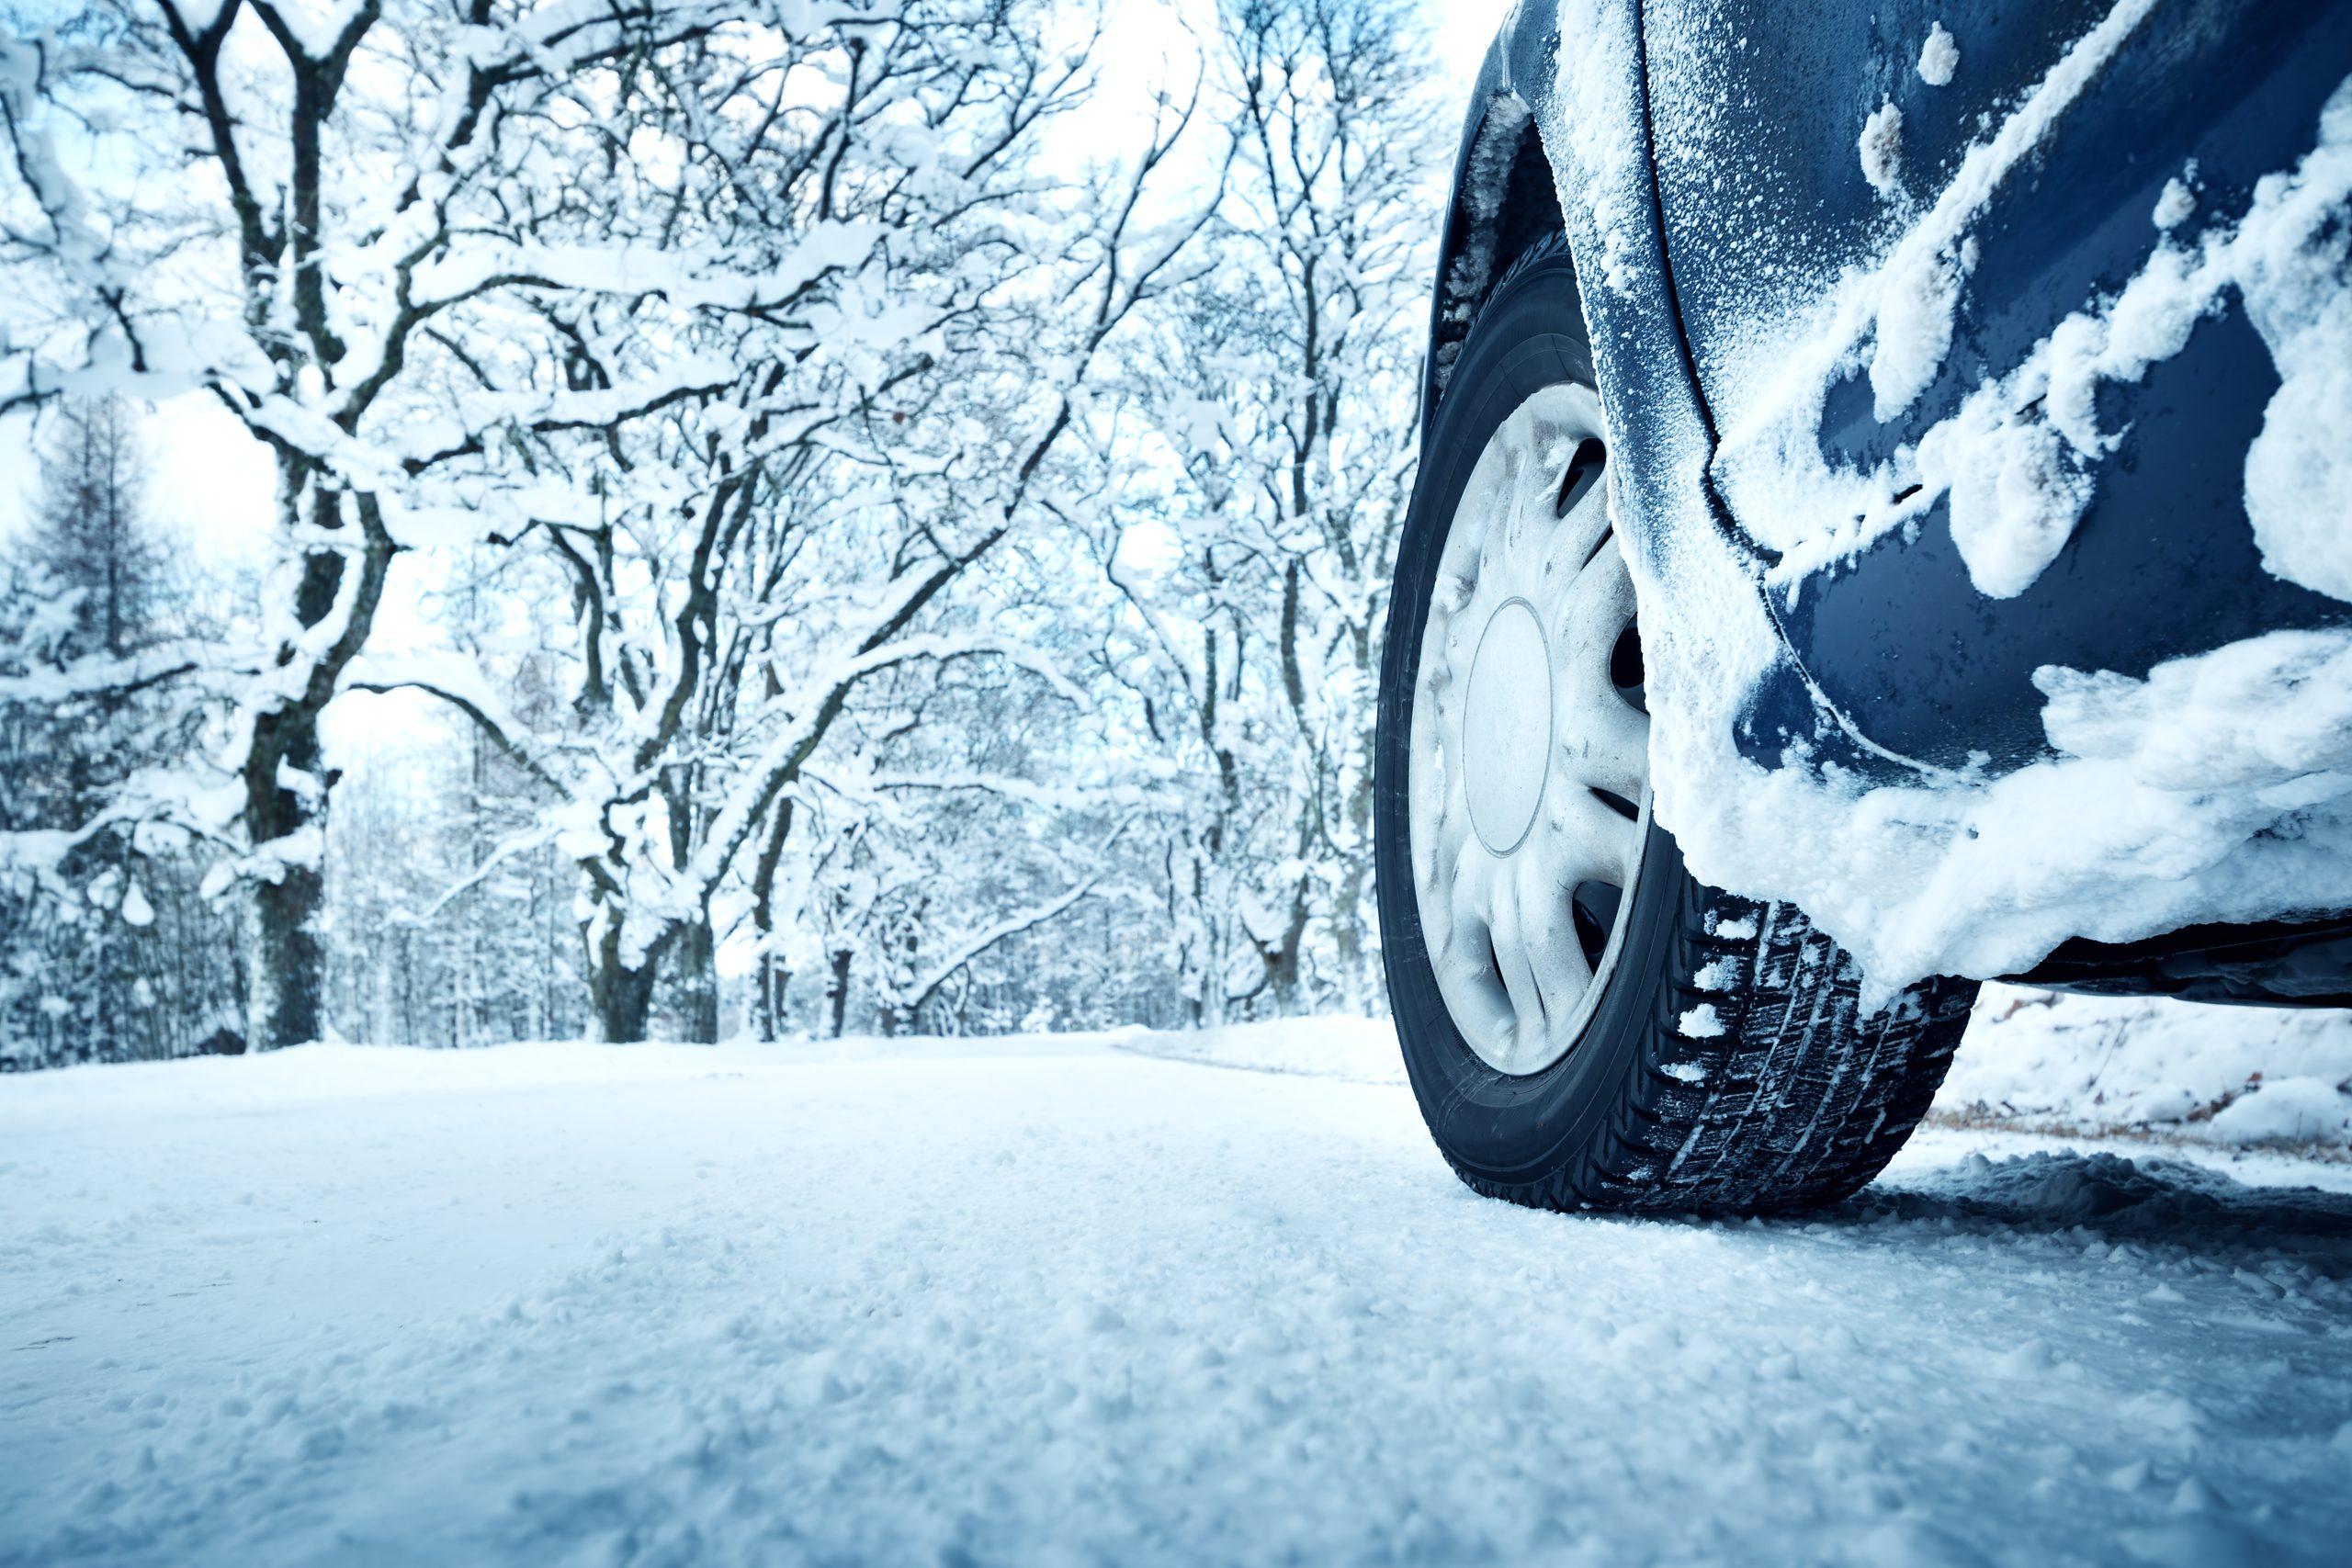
(2234, 1077)
(1060, 1300)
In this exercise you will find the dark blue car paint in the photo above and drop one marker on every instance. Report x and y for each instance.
(2163, 564)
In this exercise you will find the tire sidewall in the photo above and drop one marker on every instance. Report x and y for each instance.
(1501, 1128)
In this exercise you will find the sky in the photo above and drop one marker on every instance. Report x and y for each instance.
(213, 481)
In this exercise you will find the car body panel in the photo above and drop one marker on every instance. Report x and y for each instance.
(1756, 108)
(1893, 666)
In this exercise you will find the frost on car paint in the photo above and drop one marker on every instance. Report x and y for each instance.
(2148, 813)
(1892, 320)
(1607, 177)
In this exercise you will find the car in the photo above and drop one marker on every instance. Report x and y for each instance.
(1883, 524)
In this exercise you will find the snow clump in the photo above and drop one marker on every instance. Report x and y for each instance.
(1702, 1023)
(2175, 205)
(1882, 149)
(1939, 57)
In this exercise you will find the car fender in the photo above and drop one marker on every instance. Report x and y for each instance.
(1943, 829)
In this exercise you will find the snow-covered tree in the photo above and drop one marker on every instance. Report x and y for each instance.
(368, 228)
(1284, 389)
(867, 499)
(969, 812)
(89, 532)
(434, 936)
(744, 558)
(110, 953)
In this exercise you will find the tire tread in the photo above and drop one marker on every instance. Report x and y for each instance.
(1804, 1097)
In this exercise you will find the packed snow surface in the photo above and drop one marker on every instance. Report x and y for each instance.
(1065, 1300)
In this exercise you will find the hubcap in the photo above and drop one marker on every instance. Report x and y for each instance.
(1530, 772)
(1507, 727)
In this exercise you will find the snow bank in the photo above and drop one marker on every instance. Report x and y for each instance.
(1354, 1050)
(2232, 1076)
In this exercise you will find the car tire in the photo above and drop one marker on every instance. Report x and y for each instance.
(1720, 1059)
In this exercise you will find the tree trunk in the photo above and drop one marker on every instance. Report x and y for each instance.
(621, 998)
(286, 962)
(837, 988)
(899, 1004)
(1283, 967)
(771, 975)
(698, 980)
(773, 979)
(1358, 972)
(287, 785)
(1351, 925)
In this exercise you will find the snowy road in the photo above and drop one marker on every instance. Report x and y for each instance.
(1056, 1302)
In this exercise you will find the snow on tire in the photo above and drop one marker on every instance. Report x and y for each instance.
(1584, 1023)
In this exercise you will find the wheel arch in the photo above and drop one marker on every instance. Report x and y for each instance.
(1504, 198)
(1511, 188)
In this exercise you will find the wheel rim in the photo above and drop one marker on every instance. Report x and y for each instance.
(1530, 768)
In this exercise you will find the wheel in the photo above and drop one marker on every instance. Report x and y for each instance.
(1584, 1023)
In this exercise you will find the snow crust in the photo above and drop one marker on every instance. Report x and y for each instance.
(1050, 1300)
(2219, 788)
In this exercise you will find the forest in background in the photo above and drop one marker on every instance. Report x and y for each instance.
(843, 526)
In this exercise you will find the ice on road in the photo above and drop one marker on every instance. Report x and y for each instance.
(1070, 1302)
